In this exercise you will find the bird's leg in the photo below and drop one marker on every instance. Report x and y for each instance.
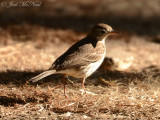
(64, 84)
(83, 80)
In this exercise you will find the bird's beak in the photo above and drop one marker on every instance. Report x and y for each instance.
(114, 33)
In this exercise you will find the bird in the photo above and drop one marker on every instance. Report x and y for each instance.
(83, 58)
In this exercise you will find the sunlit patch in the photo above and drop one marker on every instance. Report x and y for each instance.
(87, 92)
(124, 64)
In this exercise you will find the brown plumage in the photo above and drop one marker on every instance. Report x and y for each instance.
(83, 57)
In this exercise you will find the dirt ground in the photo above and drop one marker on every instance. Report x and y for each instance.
(30, 41)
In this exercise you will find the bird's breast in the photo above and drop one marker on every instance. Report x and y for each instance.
(100, 47)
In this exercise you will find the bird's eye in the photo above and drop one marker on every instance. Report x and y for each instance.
(103, 31)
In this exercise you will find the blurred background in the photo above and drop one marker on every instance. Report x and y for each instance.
(34, 31)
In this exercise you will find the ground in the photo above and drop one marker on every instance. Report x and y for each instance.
(130, 90)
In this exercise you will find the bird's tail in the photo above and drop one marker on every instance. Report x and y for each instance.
(42, 75)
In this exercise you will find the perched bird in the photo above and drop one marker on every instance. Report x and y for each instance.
(82, 58)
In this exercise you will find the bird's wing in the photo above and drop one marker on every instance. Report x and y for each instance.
(81, 60)
(84, 54)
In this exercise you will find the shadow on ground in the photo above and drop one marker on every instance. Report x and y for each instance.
(21, 77)
(10, 101)
(136, 25)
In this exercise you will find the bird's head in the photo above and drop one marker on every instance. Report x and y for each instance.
(101, 31)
